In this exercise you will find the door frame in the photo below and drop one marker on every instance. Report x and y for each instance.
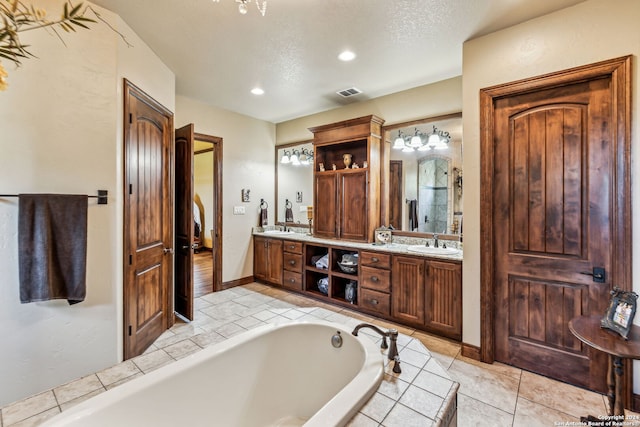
(216, 239)
(619, 71)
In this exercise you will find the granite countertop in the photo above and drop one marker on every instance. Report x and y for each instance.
(400, 245)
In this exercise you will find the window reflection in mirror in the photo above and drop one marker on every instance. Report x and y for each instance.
(294, 182)
(425, 183)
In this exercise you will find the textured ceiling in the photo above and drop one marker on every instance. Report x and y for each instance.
(218, 55)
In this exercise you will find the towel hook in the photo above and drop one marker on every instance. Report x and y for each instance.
(263, 204)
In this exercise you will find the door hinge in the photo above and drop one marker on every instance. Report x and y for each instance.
(130, 118)
(130, 188)
(130, 259)
(129, 330)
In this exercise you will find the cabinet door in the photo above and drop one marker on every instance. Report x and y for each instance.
(443, 298)
(275, 263)
(260, 245)
(326, 196)
(352, 221)
(407, 289)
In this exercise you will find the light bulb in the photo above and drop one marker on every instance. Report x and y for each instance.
(242, 8)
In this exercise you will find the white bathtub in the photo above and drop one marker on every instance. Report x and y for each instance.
(274, 375)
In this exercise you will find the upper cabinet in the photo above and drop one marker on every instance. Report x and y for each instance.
(348, 173)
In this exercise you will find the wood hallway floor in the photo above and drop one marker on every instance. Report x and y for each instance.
(202, 273)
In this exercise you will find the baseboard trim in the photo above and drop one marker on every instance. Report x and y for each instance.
(471, 351)
(237, 282)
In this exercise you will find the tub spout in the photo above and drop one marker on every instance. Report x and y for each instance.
(392, 354)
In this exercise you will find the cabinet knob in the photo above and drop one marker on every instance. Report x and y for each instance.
(292, 262)
(374, 259)
(292, 247)
(292, 280)
(374, 302)
(374, 278)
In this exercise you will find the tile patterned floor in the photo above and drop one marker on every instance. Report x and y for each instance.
(489, 395)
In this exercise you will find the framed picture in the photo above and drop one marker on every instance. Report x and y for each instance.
(620, 313)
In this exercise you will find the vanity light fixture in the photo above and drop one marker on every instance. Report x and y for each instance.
(243, 8)
(435, 140)
(416, 140)
(398, 144)
(285, 158)
(305, 157)
(294, 158)
(438, 140)
(257, 91)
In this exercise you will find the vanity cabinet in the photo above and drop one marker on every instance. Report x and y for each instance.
(335, 279)
(420, 292)
(428, 294)
(292, 258)
(443, 298)
(268, 260)
(347, 199)
(375, 282)
(408, 289)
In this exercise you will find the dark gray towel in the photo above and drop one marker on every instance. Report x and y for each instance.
(52, 247)
(263, 217)
(288, 215)
(413, 214)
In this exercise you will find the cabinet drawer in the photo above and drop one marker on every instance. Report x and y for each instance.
(295, 247)
(374, 301)
(292, 280)
(293, 262)
(375, 278)
(375, 259)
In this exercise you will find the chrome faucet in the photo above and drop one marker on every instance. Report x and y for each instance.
(435, 239)
(392, 354)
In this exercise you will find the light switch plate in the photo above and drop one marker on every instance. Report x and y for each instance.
(238, 210)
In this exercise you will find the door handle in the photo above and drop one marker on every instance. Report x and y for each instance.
(167, 250)
(599, 274)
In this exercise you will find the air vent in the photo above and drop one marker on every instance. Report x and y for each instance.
(345, 93)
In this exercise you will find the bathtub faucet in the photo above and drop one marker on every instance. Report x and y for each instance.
(392, 354)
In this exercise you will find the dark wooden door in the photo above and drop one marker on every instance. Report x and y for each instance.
(395, 194)
(184, 222)
(353, 218)
(407, 289)
(148, 220)
(554, 202)
(325, 206)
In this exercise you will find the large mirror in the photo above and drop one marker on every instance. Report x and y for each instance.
(425, 175)
(294, 183)
(425, 186)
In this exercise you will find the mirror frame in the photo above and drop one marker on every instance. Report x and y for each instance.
(388, 130)
(277, 163)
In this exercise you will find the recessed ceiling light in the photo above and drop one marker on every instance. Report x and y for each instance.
(257, 91)
(347, 55)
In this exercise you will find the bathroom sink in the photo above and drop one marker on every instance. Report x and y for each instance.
(430, 250)
(278, 232)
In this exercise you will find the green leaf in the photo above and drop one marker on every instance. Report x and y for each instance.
(75, 10)
(65, 11)
(79, 24)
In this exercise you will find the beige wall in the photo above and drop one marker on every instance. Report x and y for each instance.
(60, 132)
(588, 32)
(247, 155)
(425, 101)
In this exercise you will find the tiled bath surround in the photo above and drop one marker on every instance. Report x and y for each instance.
(491, 395)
